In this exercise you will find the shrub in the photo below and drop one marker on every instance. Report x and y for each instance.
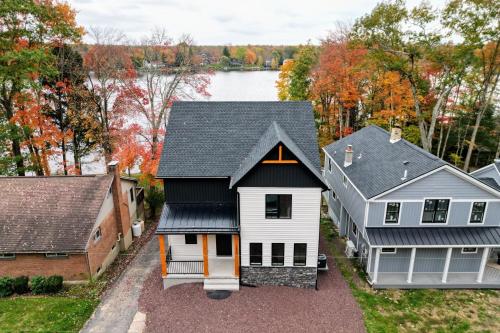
(38, 284)
(6, 286)
(53, 284)
(21, 285)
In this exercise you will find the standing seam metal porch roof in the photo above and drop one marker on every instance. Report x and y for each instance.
(198, 218)
(437, 236)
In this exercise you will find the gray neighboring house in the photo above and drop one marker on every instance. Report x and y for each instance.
(412, 220)
(489, 174)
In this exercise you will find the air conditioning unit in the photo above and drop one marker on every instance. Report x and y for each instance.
(350, 249)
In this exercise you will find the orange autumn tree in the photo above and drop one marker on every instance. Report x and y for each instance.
(337, 82)
(41, 135)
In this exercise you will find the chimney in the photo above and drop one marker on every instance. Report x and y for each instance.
(395, 134)
(348, 156)
(122, 216)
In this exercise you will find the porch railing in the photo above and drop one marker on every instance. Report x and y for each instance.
(183, 266)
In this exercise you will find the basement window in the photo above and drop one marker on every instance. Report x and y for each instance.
(469, 250)
(56, 255)
(389, 250)
(190, 239)
(7, 256)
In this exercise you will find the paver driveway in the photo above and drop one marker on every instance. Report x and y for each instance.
(186, 308)
(119, 306)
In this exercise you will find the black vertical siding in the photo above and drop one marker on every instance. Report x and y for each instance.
(279, 175)
(198, 190)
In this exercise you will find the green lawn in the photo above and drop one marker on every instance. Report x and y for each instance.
(420, 310)
(44, 314)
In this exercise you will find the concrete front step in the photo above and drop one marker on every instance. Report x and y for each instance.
(221, 284)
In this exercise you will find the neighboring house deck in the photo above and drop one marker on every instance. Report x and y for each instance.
(243, 192)
(412, 219)
(73, 226)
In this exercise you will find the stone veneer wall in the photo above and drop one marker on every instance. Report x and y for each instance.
(301, 277)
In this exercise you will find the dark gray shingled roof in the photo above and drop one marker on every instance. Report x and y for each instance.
(490, 182)
(380, 166)
(457, 236)
(197, 218)
(274, 135)
(211, 139)
(49, 214)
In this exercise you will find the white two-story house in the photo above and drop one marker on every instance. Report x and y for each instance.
(243, 194)
(414, 220)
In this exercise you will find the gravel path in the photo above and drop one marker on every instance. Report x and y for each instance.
(186, 308)
(119, 306)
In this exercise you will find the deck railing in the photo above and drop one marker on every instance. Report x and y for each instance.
(183, 266)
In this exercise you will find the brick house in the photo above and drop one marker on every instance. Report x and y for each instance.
(72, 226)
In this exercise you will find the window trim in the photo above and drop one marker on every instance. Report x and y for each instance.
(399, 213)
(277, 265)
(278, 217)
(56, 255)
(7, 256)
(391, 252)
(484, 212)
(447, 212)
(344, 180)
(98, 230)
(475, 250)
(250, 254)
(305, 255)
(195, 239)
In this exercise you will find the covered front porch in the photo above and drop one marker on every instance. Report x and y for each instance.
(452, 258)
(199, 243)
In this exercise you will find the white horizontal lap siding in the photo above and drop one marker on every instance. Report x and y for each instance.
(303, 227)
(182, 251)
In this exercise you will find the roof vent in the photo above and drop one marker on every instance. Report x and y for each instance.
(359, 156)
(348, 156)
(405, 175)
(406, 162)
(334, 152)
(395, 134)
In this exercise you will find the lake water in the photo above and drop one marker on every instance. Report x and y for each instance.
(224, 86)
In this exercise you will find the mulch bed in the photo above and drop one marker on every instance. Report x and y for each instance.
(186, 308)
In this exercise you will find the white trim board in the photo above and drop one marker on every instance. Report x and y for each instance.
(436, 246)
(452, 170)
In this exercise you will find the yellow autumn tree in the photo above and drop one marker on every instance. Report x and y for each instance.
(283, 82)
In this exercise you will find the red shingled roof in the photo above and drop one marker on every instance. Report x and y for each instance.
(49, 214)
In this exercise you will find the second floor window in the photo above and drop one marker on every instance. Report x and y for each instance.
(255, 254)
(278, 254)
(435, 210)
(392, 213)
(278, 206)
(477, 212)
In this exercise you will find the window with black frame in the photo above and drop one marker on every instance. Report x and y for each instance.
(477, 212)
(299, 254)
(435, 210)
(255, 254)
(278, 254)
(392, 213)
(278, 206)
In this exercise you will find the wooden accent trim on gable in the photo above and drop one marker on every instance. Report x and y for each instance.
(205, 255)
(280, 159)
(236, 241)
(163, 258)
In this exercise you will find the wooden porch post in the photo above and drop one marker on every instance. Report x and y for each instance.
(163, 258)
(236, 242)
(447, 265)
(412, 264)
(375, 269)
(205, 255)
(484, 259)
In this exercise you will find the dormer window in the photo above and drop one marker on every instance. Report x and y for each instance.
(435, 211)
